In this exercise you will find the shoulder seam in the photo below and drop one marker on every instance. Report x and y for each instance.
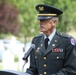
(63, 35)
(39, 35)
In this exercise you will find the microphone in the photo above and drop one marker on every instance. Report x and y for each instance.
(28, 52)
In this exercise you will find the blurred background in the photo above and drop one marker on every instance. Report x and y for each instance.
(18, 25)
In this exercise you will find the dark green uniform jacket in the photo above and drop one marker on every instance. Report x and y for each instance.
(58, 59)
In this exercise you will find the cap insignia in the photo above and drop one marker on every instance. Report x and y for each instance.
(41, 8)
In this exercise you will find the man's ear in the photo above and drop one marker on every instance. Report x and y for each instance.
(55, 21)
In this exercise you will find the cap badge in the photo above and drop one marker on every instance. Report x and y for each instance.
(41, 8)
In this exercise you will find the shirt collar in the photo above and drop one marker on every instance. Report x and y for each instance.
(50, 36)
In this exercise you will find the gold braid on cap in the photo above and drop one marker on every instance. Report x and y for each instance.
(47, 14)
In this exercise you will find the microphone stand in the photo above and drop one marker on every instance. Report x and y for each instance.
(24, 64)
(26, 55)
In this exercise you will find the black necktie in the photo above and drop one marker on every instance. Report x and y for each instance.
(46, 43)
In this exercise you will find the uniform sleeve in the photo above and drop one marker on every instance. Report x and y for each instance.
(70, 61)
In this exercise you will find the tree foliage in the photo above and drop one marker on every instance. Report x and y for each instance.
(28, 15)
(8, 18)
(67, 20)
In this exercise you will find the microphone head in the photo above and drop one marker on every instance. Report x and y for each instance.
(33, 46)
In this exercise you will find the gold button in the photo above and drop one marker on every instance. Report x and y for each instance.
(44, 65)
(45, 72)
(41, 44)
(57, 57)
(35, 56)
(44, 58)
(53, 45)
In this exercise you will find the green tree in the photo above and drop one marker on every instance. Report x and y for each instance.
(67, 20)
(8, 18)
(27, 16)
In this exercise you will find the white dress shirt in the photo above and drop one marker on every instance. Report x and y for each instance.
(50, 36)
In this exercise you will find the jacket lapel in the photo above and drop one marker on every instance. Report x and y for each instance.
(53, 44)
(42, 46)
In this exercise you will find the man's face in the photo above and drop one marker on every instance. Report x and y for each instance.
(46, 25)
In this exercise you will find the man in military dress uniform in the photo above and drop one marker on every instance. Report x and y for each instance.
(55, 53)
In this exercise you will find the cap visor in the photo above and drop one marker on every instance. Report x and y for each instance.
(43, 17)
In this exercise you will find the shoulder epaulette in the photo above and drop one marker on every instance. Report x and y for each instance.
(63, 35)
